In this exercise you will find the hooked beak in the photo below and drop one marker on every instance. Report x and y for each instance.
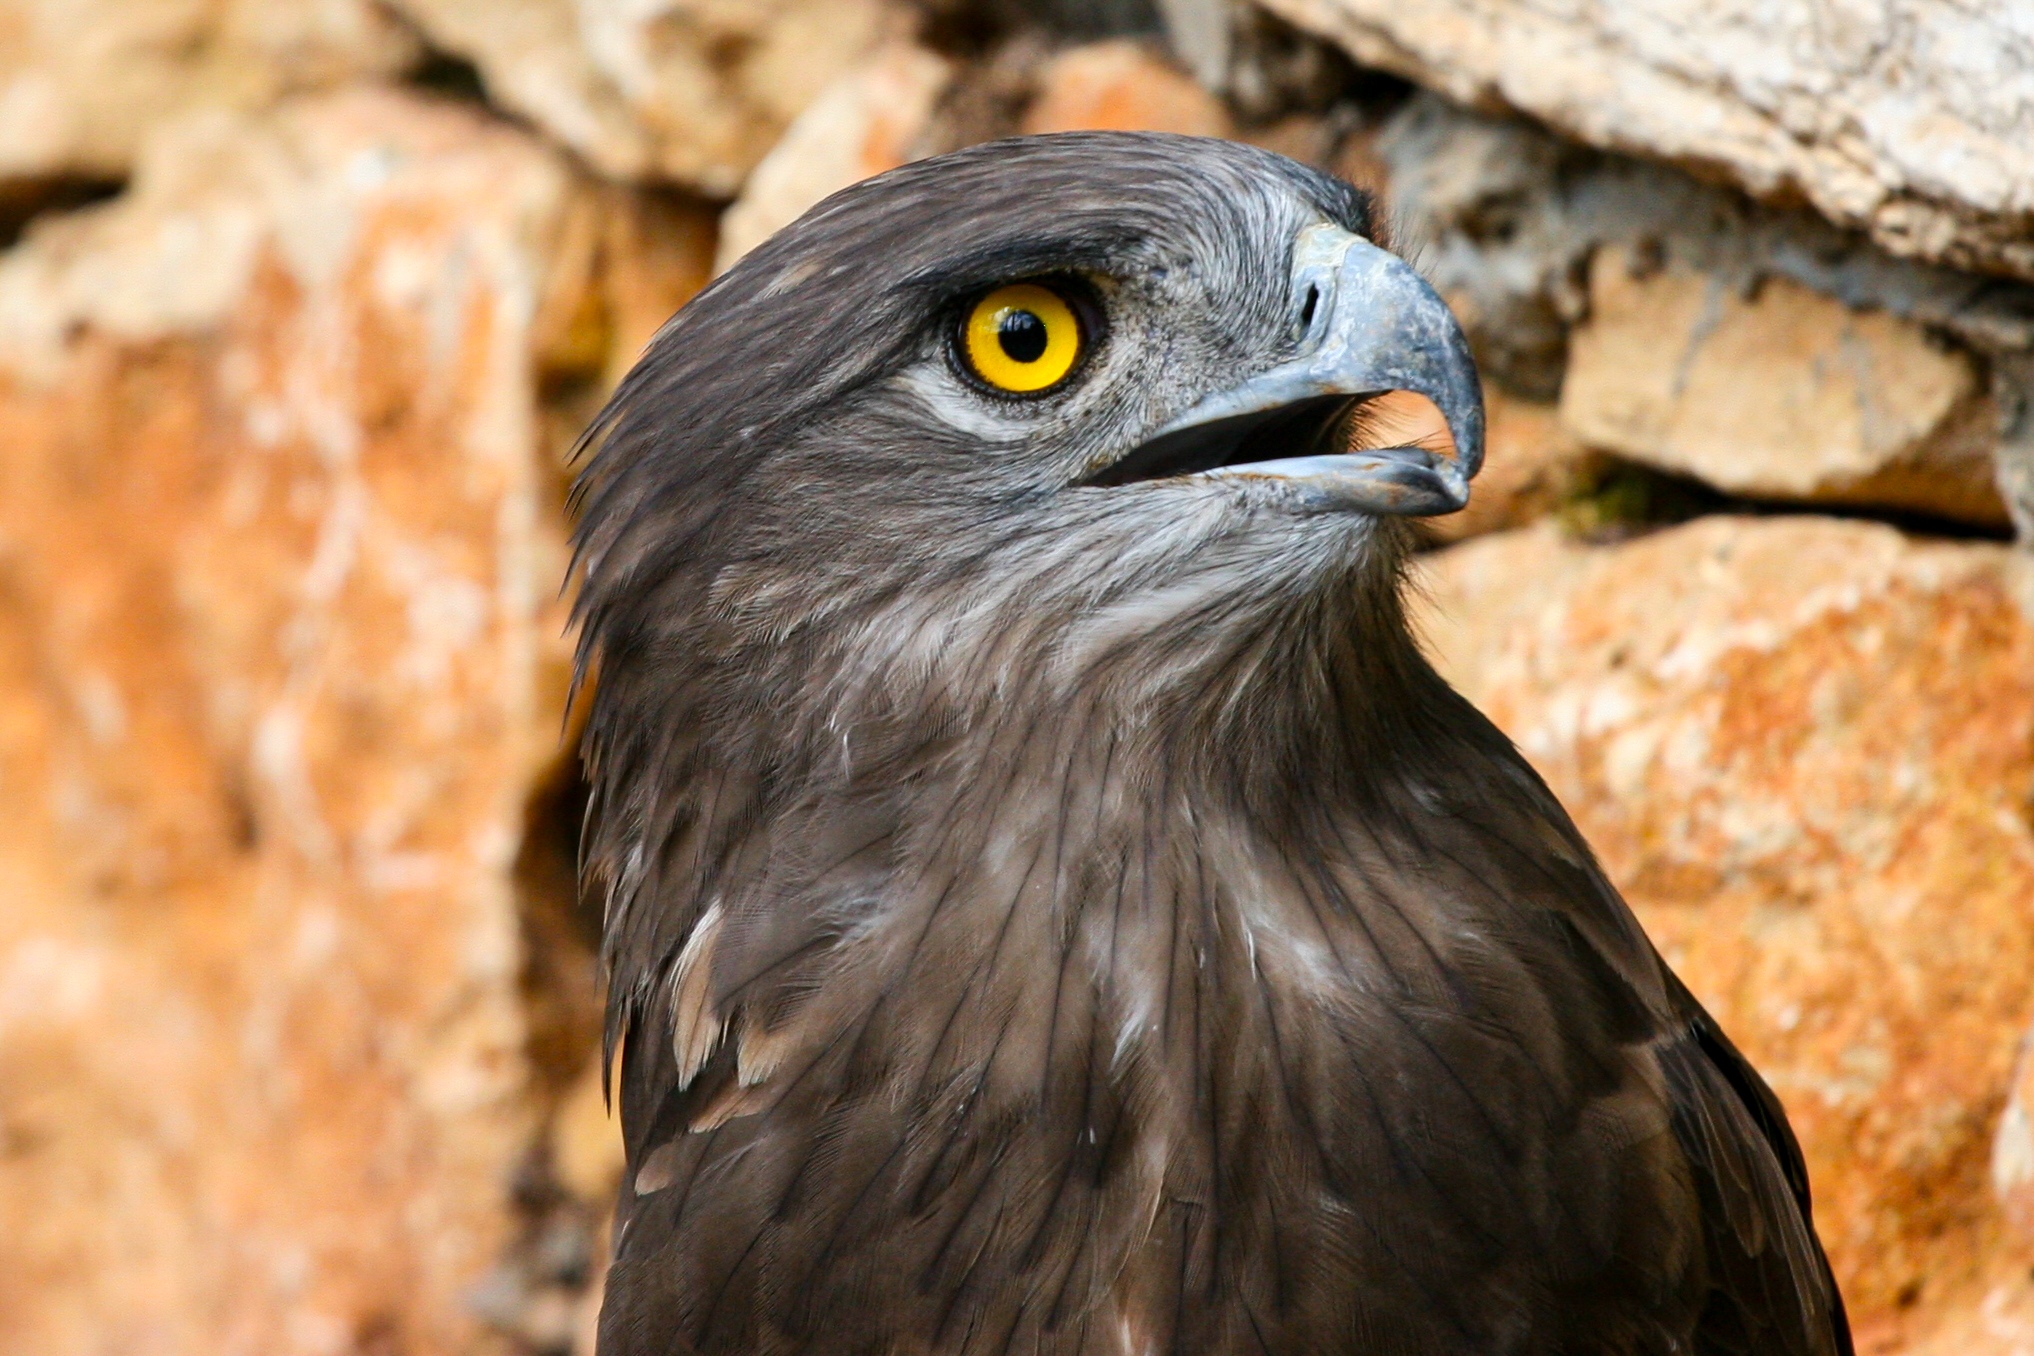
(1367, 325)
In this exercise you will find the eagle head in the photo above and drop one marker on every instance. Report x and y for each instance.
(1021, 407)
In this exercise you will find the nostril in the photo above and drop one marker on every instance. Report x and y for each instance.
(1307, 311)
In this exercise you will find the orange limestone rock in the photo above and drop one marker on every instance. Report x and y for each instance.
(687, 91)
(1803, 749)
(1788, 394)
(1122, 86)
(867, 120)
(84, 82)
(279, 659)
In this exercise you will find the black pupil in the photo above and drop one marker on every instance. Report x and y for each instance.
(1022, 336)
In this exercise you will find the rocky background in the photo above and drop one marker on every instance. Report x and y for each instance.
(303, 301)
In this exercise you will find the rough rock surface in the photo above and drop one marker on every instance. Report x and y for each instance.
(1504, 218)
(626, 260)
(2013, 388)
(1803, 749)
(1782, 394)
(867, 121)
(894, 105)
(2013, 1149)
(1507, 220)
(1990, 1315)
(694, 91)
(1121, 86)
(1530, 465)
(1911, 119)
(83, 82)
(278, 659)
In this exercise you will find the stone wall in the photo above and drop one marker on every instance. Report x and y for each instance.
(301, 307)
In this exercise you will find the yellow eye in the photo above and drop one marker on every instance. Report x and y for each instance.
(1022, 338)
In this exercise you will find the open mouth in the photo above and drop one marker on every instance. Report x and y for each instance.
(1304, 428)
(1395, 442)
(1378, 411)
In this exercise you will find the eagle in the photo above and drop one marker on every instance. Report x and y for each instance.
(1051, 904)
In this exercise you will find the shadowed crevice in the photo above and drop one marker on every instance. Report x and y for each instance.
(23, 201)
